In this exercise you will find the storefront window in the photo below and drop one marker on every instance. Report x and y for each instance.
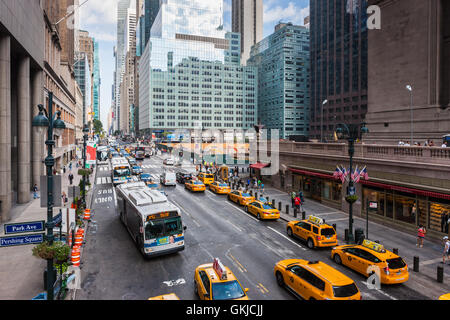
(405, 208)
(316, 189)
(374, 195)
(389, 205)
(337, 191)
(307, 184)
(297, 182)
(327, 190)
(422, 212)
(439, 214)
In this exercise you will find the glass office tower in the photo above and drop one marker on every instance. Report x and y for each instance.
(190, 72)
(283, 76)
(97, 81)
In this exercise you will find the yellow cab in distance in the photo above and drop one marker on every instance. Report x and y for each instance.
(219, 188)
(170, 296)
(371, 257)
(314, 231)
(315, 280)
(262, 210)
(195, 186)
(240, 197)
(206, 178)
(445, 297)
(214, 281)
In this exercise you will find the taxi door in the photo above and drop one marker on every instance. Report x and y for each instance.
(294, 281)
(204, 286)
(352, 259)
(303, 229)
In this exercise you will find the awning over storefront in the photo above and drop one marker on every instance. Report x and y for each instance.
(259, 165)
(312, 173)
(407, 190)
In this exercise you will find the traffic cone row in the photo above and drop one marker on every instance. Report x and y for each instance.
(76, 250)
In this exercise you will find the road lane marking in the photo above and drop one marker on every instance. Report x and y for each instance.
(243, 269)
(237, 228)
(185, 211)
(334, 220)
(427, 262)
(287, 238)
(240, 210)
(262, 288)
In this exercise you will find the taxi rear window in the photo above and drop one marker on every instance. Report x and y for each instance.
(246, 195)
(396, 263)
(223, 185)
(209, 176)
(327, 232)
(267, 207)
(345, 291)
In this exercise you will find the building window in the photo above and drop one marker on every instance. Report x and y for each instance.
(404, 204)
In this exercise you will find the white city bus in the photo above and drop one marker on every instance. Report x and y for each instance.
(121, 171)
(153, 222)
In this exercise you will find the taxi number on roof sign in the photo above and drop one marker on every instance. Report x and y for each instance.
(315, 220)
(219, 269)
(373, 245)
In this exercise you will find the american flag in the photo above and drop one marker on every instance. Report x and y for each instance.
(364, 174)
(356, 176)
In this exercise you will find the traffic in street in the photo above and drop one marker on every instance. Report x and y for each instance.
(220, 232)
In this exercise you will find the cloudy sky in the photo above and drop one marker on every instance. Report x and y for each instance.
(99, 18)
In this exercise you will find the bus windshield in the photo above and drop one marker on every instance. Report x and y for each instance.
(121, 172)
(163, 228)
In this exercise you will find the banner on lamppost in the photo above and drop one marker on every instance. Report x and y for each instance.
(91, 152)
(57, 200)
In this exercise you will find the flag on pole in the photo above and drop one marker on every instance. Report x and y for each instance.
(356, 175)
(364, 174)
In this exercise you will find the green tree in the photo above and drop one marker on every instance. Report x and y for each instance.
(98, 126)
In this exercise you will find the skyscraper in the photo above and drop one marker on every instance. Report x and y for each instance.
(283, 80)
(247, 19)
(338, 64)
(190, 74)
(97, 81)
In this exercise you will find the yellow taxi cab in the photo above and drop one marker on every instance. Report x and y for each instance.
(315, 280)
(240, 197)
(314, 231)
(214, 281)
(445, 297)
(372, 258)
(219, 188)
(195, 186)
(262, 210)
(206, 178)
(170, 296)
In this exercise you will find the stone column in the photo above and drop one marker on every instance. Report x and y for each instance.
(24, 131)
(38, 141)
(5, 127)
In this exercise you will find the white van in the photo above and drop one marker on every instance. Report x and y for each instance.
(168, 178)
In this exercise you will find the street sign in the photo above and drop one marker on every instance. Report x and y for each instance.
(57, 219)
(373, 205)
(24, 227)
(21, 240)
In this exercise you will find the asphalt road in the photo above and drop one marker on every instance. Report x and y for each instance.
(113, 269)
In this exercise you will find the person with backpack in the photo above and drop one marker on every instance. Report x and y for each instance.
(420, 236)
(71, 178)
(35, 192)
(293, 195)
(297, 203)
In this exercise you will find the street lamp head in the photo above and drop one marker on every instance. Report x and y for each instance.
(409, 88)
(325, 102)
(339, 133)
(59, 125)
(40, 122)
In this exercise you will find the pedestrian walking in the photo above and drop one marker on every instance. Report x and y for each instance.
(64, 169)
(71, 178)
(35, 192)
(293, 195)
(262, 188)
(297, 203)
(446, 252)
(421, 231)
(248, 183)
(70, 166)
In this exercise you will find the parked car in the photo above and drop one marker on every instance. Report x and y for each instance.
(182, 177)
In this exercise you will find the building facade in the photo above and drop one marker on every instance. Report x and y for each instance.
(247, 19)
(283, 62)
(97, 82)
(416, 36)
(338, 65)
(190, 73)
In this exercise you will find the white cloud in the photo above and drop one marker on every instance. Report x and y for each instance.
(99, 17)
(291, 13)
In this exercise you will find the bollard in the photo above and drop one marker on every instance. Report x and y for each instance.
(334, 227)
(346, 235)
(287, 209)
(416, 264)
(279, 206)
(295, 213)
(303, 215)
(440, 274)
(256, 195)
(395, 251)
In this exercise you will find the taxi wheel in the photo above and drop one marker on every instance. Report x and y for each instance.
(246, 209)
(337, 259)
(280, 279)
(289, 232)
(310, 243)
(258, 216)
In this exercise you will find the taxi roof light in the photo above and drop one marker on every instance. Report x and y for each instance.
(220, 270)
(316, 220)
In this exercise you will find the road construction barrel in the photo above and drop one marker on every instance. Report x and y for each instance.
(76, 256)
(87, 214)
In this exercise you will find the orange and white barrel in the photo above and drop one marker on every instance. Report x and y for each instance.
(76, 256)
(87, 214)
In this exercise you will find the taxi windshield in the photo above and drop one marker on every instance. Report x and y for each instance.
(227, 290)
(246, 195)
(223, 185)
(209, 176)
(267, 207)
(345, 291)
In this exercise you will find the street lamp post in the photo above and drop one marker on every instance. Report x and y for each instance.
(411, 108)
(351, 132)
(40, 122)
(321, 120)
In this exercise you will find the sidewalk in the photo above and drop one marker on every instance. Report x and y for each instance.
(22, 274)
(430, 255)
